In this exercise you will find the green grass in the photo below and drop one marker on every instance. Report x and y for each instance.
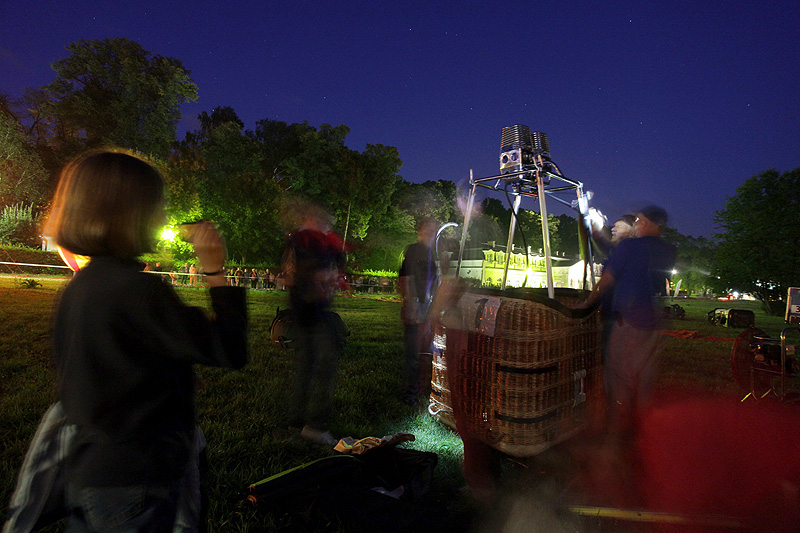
(703, 363)
(242, 412)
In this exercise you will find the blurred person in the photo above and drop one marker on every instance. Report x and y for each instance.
(417, 281)
(635, 272)
(185, 274)
(124, 345)
(718, 463)
(606, 240)
(622, 229)
(312, 263)
(193, 275)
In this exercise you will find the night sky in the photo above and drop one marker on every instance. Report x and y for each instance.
(674, 103)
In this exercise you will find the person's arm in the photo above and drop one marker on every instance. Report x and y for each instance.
(407, 289)
(185, 332)
(211, 253)
(605, 282)
(167, 327)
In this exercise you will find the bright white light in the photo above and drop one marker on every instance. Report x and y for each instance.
(168, 234)
(597, 219)
(674, 271)
(735, 294)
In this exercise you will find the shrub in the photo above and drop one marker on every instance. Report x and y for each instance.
(19, 225)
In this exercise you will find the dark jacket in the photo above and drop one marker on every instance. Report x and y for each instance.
(124, 349)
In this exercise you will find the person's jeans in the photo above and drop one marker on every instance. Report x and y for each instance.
(417, 363)
(628, 373)
(411, 362)
(122, 509)
(316, 365)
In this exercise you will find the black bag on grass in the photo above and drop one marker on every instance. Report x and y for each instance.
(283, 329)
(297, 488)
(395, 467)
(343, 488)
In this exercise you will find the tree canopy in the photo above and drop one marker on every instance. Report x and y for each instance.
(247, 181)
(217, 174)
(23, 178)
(693, 263)
(757, 250)
(113, 91)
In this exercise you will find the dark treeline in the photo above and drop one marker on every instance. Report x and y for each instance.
(112, 92)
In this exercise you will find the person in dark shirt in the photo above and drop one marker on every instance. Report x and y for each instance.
(637, 272)
(417, 282)
(606, 241)
(124, 345)
(312, 263)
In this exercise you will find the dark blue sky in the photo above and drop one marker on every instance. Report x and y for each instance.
(645, 102)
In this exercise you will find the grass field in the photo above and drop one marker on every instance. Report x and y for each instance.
(242, 412)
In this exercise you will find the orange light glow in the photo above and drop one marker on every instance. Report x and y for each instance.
(73, 261)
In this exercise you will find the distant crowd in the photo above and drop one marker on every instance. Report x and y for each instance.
(189, 275)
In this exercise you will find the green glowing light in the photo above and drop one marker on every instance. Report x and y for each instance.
(168, 234)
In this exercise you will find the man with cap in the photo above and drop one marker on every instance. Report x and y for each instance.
(636, 272)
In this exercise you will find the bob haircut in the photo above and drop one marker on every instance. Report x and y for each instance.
(108, 203)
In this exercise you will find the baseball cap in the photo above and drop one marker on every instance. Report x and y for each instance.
(655, 214)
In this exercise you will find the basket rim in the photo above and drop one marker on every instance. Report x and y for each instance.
(540, 296)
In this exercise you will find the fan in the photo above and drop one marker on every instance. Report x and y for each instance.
(745, 356)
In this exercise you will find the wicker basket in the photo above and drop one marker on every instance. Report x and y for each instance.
(522, 367)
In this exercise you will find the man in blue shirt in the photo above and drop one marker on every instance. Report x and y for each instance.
(638, 271)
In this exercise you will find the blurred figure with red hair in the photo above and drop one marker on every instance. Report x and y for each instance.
(313, 262)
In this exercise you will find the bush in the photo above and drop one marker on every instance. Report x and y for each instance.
(19, 225)
(376, 273)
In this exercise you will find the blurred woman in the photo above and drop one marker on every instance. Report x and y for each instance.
(125, 344)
